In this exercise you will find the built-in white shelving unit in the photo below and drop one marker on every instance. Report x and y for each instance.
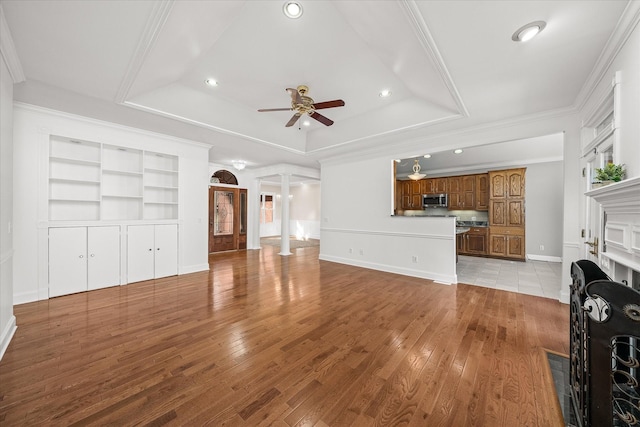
(89, 181)
(160, 186)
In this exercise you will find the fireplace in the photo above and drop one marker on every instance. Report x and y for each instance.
(605, 315)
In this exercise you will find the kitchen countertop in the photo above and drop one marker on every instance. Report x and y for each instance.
(472, 224)
(460, 230)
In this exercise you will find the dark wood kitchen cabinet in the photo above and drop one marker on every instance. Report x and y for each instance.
(507, 242)
(473, 242)
(435, 185)
(411, 195)
(482, 192)
(507, 213)
(462, 192)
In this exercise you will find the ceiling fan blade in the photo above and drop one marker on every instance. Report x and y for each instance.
(295, 96)
(262, 110)
(322, 119)
(293, 120)
(329, 104)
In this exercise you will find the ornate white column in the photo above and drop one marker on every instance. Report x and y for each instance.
(284, 227)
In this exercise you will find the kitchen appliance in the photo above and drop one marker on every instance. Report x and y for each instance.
(434, 201)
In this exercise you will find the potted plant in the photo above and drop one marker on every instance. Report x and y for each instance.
(610, 173)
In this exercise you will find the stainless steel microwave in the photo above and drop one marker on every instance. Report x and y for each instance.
(434, 201)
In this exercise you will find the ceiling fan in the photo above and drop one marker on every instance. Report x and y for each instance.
(303, 104)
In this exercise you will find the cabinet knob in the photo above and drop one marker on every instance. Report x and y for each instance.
(158, 248)
(92, 255)
(150, 249)
(81, 256)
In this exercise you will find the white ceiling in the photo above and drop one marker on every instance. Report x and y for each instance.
(448, 63)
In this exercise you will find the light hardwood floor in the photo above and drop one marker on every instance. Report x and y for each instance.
(268, 340)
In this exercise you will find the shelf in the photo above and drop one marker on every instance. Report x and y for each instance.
(120, 196)
(121, 172)
(74, 181)
(160, 187)
(168, 171)
(160, 162)
(161, 203)
(91, 181)
(74, 161)
(73, 200)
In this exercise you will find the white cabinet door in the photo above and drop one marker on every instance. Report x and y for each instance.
(140, 253)
(103, 257)
(67, 260)
(166, 250)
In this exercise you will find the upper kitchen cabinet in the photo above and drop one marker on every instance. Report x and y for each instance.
(463, 192)
(411, 194)
(436, 185)
(482, 192)
(507, 183)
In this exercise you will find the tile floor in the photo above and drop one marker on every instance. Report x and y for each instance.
(538, 278)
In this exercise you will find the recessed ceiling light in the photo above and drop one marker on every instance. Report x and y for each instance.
(528, 31)
(457, 151)
(211, 82)
(427, 156)
(385, 93)
(292, 9)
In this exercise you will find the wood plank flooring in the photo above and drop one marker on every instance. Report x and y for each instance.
(268, 340)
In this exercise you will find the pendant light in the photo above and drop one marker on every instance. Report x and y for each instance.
(416, 175)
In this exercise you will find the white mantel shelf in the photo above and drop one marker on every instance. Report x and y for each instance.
(620, 203)
(619, 195)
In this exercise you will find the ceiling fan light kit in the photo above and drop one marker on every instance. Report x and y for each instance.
(303, 104)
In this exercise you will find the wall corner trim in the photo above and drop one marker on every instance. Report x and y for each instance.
(7, 334)
(8, 51)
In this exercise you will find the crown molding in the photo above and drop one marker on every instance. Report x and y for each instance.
(152, 29)
(624, 28)
(57, 113)
(211, 127)
(8, 51)
(426, 40)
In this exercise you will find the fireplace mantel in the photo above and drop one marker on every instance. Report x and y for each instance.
(621, 206)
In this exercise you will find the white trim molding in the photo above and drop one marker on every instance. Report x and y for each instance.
(7, 334)
(8, 51)
(621, 235)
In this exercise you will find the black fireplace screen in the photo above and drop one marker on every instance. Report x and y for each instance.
(605, 349)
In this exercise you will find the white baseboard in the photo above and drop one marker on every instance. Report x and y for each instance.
(7, 334)
(25, 297)
(544, 258)
(193, 268)
(439, 278)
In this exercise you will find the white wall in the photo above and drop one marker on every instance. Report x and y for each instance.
(33, 127)
(357, 227)
(7, 319)
(543, 211)
(305, 210)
